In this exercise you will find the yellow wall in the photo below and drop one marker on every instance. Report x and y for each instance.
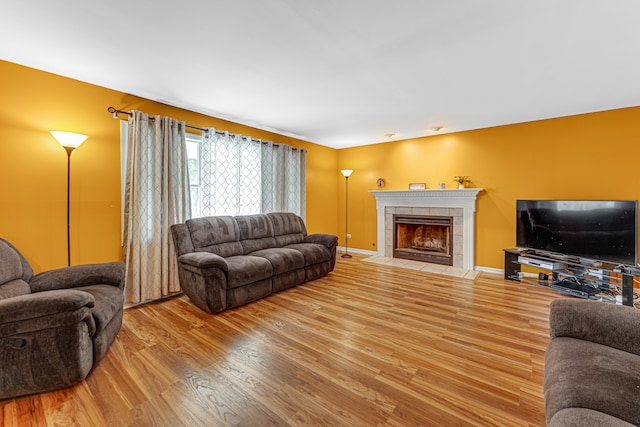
(33, 166)
(589, 156)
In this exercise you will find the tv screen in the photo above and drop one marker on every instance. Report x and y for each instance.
(603, 230)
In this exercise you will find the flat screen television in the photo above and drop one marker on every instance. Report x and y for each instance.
(603, 230)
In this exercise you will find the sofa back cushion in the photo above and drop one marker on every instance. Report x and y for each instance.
(15, 271)
(256, 232)
(216, 234)
(288, 228)
(14, 288)
(182, 239)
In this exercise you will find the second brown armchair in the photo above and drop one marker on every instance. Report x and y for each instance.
(54, 326)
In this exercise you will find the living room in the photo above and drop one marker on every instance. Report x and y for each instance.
(586, 155)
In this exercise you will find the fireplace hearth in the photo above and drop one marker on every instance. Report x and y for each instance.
(423, 238)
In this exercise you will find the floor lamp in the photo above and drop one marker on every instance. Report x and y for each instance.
(70, 141)
(347, 173)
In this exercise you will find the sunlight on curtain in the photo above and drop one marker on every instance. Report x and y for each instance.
(243, 176)
(230, 174)
(156, 196)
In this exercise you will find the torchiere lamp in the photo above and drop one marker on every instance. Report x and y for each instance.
(70, 141)
(347, 173)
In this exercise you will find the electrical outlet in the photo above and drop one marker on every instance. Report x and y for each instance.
(348, 235)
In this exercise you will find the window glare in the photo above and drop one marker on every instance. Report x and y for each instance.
(193, 163)
(192, 148)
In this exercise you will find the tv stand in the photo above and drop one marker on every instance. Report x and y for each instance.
(556, 267)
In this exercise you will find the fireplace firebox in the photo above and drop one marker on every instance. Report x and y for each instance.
(423, 238)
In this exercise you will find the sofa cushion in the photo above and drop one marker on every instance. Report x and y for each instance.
(245, 269)
(583, 374)
(590, 320)
(581, 417)
(256, 232)
(282, 259)
(216, 234)
(288, 228)
(313, 252)
(106, 273)
(109, 301)
(14, 265)
(14, 288)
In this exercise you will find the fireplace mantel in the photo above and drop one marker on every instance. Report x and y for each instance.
(464, 199)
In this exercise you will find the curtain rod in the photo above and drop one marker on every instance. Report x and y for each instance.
(115, 113)
(128, 113)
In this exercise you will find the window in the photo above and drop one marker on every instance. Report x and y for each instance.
(193, 158)
(230, 171)
(236, 175)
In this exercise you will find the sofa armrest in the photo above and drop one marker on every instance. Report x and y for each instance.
(203, 261)
(109, 273)
(612, 325)
(38, 305)
(328, 240)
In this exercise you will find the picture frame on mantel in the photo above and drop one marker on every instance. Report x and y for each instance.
(418, 186)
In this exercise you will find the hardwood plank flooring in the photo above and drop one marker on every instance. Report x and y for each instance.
(368, 345)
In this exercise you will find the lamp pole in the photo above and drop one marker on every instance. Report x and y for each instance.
(69, 141)
(69, 150)
(346, 173)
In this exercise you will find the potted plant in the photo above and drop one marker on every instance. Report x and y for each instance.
(461, 180)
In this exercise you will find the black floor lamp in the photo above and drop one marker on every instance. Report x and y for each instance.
(347, 173)
(70, 141)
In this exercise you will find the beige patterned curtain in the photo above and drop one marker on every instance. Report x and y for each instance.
(156, 196)
(242, 176)
(283, 179)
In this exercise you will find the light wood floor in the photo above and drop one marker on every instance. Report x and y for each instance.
(368, 345)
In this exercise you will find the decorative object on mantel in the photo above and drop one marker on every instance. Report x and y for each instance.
(418, 186)
(461, 180)
(441, 186)
(380, 183)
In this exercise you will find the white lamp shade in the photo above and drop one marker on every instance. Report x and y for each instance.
(69, 139)
(346, 172)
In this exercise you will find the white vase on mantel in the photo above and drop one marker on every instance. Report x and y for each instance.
(460, 186)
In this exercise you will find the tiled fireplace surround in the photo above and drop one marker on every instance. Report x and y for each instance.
(459, 204)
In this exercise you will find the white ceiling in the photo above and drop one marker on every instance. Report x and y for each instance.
(343, 73)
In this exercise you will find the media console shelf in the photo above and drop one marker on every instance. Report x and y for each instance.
(605, 276)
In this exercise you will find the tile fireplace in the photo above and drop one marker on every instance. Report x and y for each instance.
(423, 238)
(458, 204)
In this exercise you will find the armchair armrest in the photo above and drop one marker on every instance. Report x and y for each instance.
(203, 261)
(203, 278)
(612, 325)
(109, 273)
(328, 240)
(42, 304)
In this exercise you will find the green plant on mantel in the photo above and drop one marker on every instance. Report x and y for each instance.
(461, 179)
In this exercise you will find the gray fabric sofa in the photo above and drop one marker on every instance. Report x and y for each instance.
(54, 326)
(226, 261)
(592, 364)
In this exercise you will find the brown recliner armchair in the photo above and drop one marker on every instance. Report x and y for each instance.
(592, 364)
(56, 325)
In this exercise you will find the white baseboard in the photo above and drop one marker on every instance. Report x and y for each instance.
(356, 251)
(490, 270)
